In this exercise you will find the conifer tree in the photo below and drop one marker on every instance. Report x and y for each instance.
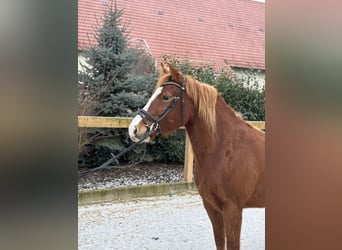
(108, 86)
(108, 65)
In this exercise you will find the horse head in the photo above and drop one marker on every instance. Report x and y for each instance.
(166, 110)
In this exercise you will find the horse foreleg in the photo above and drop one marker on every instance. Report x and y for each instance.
(217, 224)
(232, 216)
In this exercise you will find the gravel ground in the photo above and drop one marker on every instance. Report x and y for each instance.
(131, 175)
(176, 222)
(169, 222)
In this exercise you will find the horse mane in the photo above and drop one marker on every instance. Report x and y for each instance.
(204, 99)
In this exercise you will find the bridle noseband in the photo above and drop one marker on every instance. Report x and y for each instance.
(155, 126)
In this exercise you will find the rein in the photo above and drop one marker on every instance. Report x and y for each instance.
(115, 157)
(150, 129)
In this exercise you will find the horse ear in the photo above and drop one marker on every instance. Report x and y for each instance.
(163, 69)
(176, 75)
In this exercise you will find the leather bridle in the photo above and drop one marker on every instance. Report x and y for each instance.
(155, 126)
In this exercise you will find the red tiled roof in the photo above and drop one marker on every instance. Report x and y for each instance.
(201, 30)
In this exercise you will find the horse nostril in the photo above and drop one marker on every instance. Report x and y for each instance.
(135, 130)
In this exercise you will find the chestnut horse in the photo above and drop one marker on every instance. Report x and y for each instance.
(229, 153)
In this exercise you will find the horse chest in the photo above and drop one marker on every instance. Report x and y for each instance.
(209, 188)
(219, 187)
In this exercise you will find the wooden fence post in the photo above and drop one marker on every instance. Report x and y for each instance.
(188, 160)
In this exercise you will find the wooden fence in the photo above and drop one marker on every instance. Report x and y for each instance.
(123, 122)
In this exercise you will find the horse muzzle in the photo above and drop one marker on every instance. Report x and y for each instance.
(137, 130)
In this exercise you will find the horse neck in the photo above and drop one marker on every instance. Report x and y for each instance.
(205, 142)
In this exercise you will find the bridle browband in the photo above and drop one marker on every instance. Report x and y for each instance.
(155, 126)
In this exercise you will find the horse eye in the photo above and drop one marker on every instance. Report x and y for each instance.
(165, 97)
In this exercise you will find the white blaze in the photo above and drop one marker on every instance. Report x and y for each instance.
(137, 119)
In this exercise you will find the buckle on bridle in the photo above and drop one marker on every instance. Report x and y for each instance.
(154, 127)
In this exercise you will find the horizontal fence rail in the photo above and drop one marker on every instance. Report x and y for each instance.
(123, 122)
